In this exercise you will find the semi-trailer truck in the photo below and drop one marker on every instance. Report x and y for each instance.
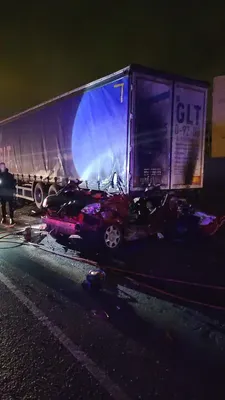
(139, 124)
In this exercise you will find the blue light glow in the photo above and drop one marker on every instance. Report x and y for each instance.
(99, 138)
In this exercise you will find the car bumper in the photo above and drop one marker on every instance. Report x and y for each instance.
(61, 226)
(68, 227)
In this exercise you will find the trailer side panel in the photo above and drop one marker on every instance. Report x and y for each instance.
(80, 136)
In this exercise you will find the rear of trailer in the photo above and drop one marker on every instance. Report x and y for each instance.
(167, 130)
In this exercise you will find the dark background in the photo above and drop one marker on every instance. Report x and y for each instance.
(50, 47)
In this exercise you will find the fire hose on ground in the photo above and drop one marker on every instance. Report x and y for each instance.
(126, 273)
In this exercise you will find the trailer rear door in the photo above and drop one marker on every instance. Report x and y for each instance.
(151, 131)
(167, 133)
(188, 136)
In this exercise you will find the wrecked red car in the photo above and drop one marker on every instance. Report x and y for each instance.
(110, 219)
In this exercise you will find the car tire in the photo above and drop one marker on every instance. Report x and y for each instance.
(112, 237)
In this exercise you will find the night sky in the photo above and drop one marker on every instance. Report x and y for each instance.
(47, 50)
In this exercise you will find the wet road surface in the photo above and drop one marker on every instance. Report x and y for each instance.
(61, 342)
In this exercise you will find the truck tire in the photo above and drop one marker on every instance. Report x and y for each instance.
(53, 189)
(39, 194)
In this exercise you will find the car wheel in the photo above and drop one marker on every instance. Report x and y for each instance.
(112, 237)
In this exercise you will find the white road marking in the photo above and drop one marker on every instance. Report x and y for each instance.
(100, 375)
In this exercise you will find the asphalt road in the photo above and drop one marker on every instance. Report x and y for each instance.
(59, 341)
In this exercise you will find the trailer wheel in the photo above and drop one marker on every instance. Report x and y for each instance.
(53, 189)
(39, 194)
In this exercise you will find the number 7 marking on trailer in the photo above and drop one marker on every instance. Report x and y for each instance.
(121, 85)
